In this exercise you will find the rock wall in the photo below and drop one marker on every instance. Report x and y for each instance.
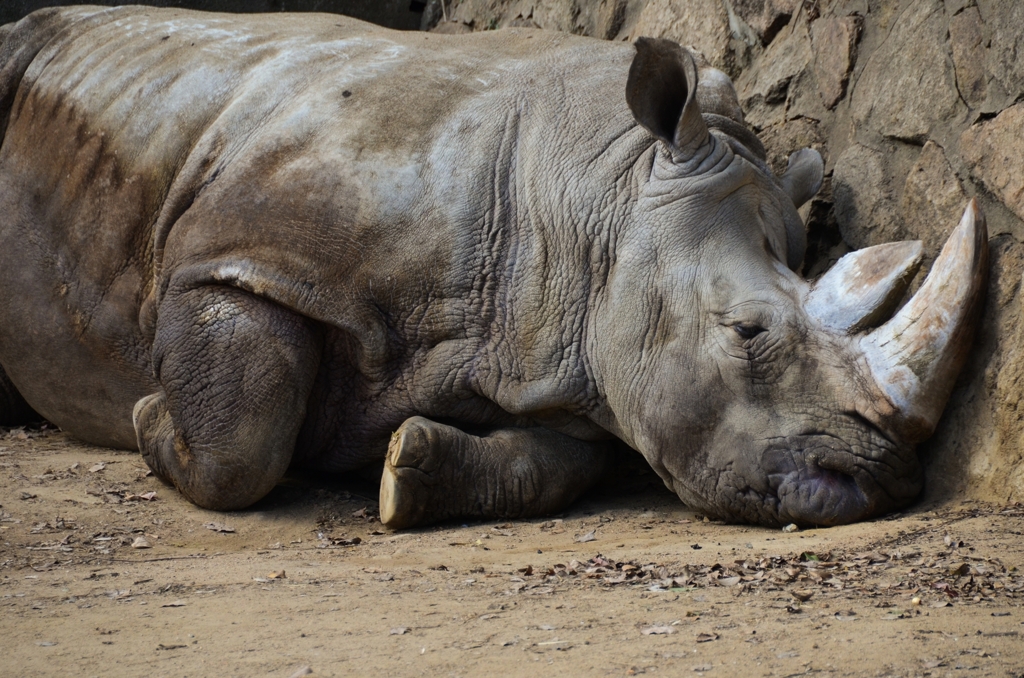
(916, 106)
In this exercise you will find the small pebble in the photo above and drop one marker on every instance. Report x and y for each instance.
(790, 528)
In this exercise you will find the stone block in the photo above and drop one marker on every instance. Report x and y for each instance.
(1004, 23)
(908, 86)
(966, 38)
(764, 88)
(834, 42)
(865, 207)
(702, 24)
(994, 152)
(933, 199)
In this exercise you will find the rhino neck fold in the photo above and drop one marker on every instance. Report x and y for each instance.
(549, 236)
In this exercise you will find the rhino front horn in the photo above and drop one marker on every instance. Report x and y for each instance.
(916, 356)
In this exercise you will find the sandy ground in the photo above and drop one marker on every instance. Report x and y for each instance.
(99, 577)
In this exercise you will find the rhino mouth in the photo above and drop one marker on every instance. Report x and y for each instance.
(822, 480)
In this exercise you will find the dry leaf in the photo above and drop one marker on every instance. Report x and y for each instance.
(277, 575)
(176, 603)
(218, 527)
(589, 536)
(399, 631)
(658, 631)
(141, 543)
(96, 468)
(802, 595)
(706, 637)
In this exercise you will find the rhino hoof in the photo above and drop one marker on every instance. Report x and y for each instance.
(407, 483)
(154, 432)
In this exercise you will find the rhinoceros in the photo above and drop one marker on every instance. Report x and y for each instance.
(248, 244)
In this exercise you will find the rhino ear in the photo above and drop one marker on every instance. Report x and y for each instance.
(863, 288)
(803, 176)
(662, 94)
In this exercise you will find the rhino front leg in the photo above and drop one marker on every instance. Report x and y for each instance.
(436, 472)
(236, 372)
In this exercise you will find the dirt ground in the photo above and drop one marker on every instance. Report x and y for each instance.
(106, 571)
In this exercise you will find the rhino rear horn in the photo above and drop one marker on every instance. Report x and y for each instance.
(661, 91)
(862, 289)
(916, 356)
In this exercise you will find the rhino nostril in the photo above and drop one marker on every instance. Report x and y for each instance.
(835, 479)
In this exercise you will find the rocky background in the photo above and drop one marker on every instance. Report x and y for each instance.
(916, 105)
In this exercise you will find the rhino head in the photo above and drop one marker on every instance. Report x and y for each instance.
(756, 395)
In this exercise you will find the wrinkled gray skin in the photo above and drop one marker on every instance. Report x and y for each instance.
(248, 243)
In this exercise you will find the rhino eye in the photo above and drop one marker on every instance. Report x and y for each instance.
(748, 330)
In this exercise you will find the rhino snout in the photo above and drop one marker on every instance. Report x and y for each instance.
(821, 480)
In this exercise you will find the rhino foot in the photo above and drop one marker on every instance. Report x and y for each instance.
(155, 432)
(413, 472)
(435, 472)
(236, 371)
